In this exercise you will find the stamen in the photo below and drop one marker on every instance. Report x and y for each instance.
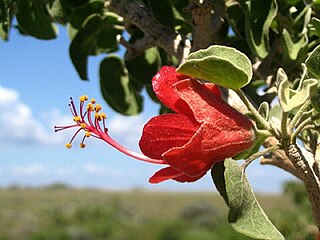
(96, 122)
(104, 117)
(93, 128)
(60, 128)
(73, 137)
(89, 118)
(73, 108)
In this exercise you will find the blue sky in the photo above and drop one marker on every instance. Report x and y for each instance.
(37, 79)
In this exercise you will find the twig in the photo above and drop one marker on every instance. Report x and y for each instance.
(138, 47)
(259, 154)
(278, 158)
(140, 15)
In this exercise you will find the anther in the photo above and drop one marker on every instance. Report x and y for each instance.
(76, 119)
(103, 115)
(97, 116)
(97, 108)
(68, 145)
(83, 98)
(90, 107)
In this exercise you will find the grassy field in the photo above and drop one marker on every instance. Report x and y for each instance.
(66, 213)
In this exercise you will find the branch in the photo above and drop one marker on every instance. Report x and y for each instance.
(278, 158)
(172, 42)
(136, 48)
(310, 179)
(206, 22)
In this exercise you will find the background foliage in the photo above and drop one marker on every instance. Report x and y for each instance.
(272, 33)
(65, 213)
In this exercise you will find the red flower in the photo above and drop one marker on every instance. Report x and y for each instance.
(203, 131)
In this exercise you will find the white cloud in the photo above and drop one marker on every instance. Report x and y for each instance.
(29, 170)
(126, 130)
(19, 125)
(101, 170)
(94, 169)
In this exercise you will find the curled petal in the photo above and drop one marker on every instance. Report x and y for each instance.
(164, 132)
(214, 89)
(165, 174)
(210, 108)
(163, 85)
(171, 173)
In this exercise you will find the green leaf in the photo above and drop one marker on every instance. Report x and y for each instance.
(88, 41)
(116, 88)
(315, 99)
(315, 26)
(224, 66)
(258, 18)
(34, 19)
(57, 12)
(6, 14)
(264, 110)
(313, 62)
(81, 13)
(217, 174)
(145, 66)
(291, 98)
(245, 214)
(162, 11)
(292, 49)
(275, 115)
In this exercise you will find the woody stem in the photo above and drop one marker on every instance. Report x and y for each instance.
(259, 154)
(308, 176)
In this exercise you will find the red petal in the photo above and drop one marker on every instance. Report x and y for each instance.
(171, 173)
(165, 174)
(208, 107)
(223, 133)
(207, 147)
(214, 89)
(163, 85)
(164, 132)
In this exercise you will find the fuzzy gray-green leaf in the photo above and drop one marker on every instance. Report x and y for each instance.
(221, 65)
(259, 16)
(291, 98)
(245, 214)
(313, 62)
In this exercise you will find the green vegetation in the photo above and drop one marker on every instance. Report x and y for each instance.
(58, 212)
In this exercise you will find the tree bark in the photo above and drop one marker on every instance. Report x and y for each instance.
(172, 42)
